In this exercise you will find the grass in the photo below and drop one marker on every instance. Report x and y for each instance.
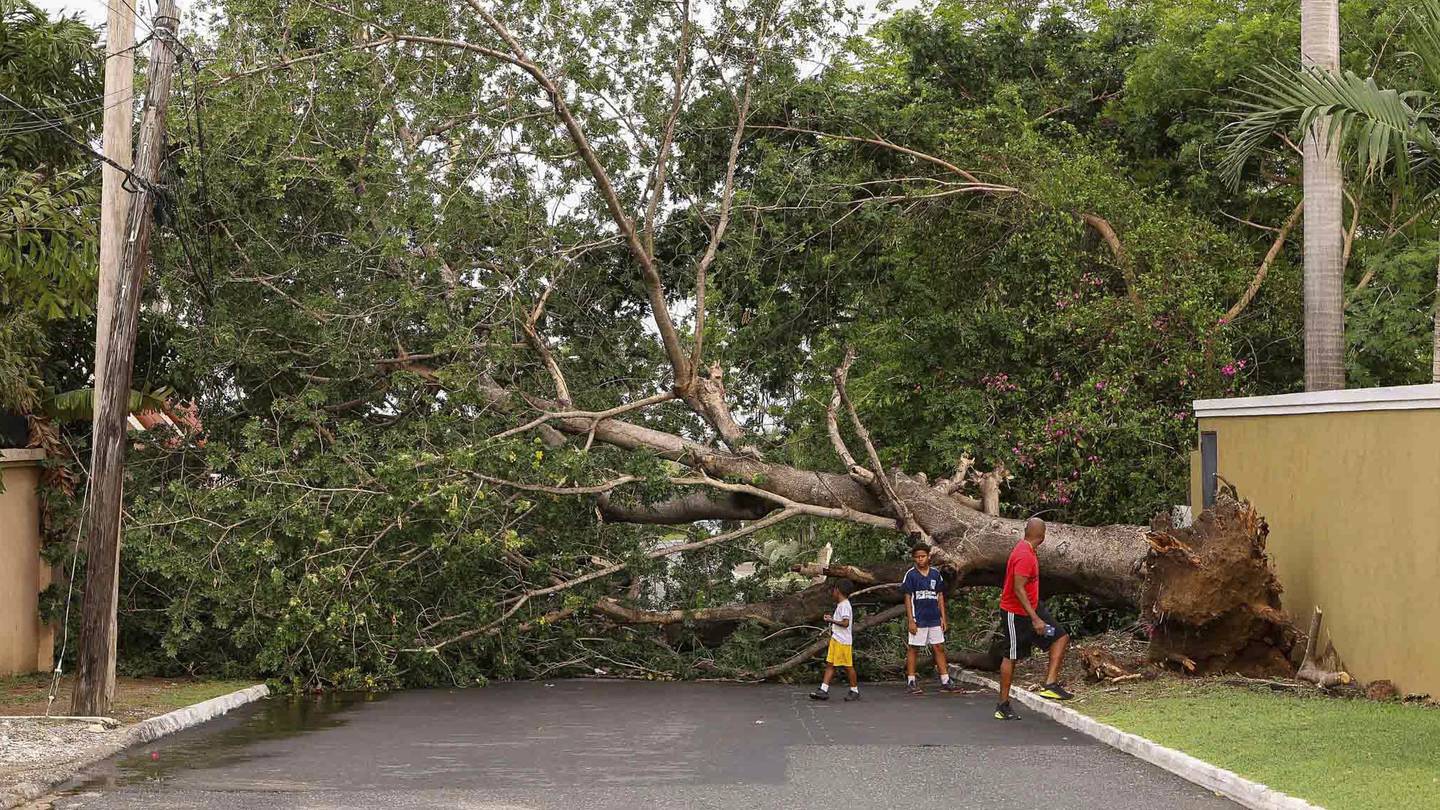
(135, 698)
(1338, 753)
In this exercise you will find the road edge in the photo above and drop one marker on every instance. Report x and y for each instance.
(138, 734)
(1211, 777)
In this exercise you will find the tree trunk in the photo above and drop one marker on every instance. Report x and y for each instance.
(1208, 591)
(1324, 230)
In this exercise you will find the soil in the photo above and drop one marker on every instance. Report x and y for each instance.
(1212, 598)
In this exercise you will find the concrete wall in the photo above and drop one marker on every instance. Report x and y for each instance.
(25, 644)
(1351, 492)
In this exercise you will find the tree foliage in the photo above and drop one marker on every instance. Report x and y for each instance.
(1013, 212)
(50, 76)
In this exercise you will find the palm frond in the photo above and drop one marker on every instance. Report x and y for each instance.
(1374, 127)
(1424, 39)
(79, 405)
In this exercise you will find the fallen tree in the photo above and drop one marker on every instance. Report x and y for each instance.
(1207, 591)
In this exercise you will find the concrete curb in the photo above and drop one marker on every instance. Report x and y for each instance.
(1226, 783)
(138, 734)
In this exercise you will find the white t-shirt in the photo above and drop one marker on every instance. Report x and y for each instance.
(842, 612)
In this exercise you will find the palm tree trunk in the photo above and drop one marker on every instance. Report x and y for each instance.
(1324, 229)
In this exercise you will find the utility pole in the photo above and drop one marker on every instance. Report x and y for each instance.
(118, 114)
(95, 672)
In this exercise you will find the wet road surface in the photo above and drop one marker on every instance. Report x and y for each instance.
(629, 746)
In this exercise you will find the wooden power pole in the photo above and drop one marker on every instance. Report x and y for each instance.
(95, 670)
(116, 139)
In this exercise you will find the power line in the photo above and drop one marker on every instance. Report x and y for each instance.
(85, 147)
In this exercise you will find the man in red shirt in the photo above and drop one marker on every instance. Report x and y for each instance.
(1024, 624)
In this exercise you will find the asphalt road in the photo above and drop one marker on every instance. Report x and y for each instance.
(630, 746)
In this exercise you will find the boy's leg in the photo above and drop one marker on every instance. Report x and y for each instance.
(941, 667)
(909, 661)
(822, 692)
(854, 676)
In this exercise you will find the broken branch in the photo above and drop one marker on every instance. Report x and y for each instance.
(1265, 263)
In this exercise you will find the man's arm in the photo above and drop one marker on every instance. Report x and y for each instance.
(944, 618)
(1035, 621)
(910, 613)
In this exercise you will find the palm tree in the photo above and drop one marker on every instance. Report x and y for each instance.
(1324, 226)
(1381, 131)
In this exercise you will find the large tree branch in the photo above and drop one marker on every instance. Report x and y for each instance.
(654, 288)
(835, 513)
(594, 489)
(595, 416)
(902, 512)
(1265, 263)
(537, 342)
(832, 425)
(689, 508)
(727, 196)
(1101, 225)
(667, 136)
(706, 396)
(1101, 561)
(1350, 232)
(892, 612)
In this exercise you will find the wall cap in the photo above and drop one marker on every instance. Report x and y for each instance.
(19, 456)
(1393, 398)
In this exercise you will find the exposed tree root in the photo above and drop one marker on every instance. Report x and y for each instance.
(1211, 597)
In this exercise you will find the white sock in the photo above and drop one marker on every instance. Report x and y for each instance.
(910, 679)
(824, 687)
(945, 678)
(855, 689)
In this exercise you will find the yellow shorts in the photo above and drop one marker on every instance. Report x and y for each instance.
(839, 654)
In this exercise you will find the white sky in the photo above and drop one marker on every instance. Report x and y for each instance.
(95, 11)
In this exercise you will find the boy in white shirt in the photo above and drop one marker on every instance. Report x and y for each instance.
(842, 634)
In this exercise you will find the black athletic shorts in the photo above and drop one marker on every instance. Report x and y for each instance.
(1018, 638)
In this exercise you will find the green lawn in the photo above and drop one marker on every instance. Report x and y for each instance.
(1340, 754)
(135, 698)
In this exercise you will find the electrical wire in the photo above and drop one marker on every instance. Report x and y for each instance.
(65, 625)
(129, 175)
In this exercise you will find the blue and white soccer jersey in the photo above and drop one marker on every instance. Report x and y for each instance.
(924, 591)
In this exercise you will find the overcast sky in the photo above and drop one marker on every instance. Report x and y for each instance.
(95, 11)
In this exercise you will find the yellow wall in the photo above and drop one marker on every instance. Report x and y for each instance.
(25, 644)
(1353, 503)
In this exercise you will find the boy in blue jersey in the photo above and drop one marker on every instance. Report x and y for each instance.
(926, 621)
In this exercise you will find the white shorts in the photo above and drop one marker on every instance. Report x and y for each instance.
(926, 637)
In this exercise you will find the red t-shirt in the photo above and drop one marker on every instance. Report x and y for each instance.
(1024, 562)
